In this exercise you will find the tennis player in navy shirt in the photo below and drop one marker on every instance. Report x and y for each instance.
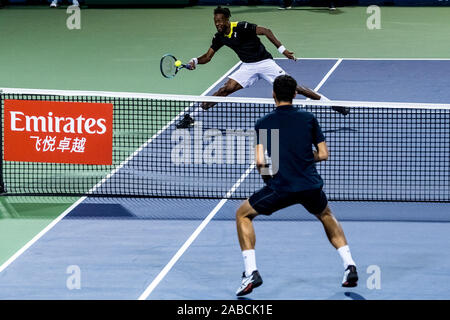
(295, 180)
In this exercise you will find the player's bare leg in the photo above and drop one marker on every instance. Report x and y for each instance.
(332, 228)
(244, 225)
(315, 96)
(228, 88)
(336, 237)
(250, 278)
(308, 93)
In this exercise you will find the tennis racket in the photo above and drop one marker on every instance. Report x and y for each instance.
(168, 67)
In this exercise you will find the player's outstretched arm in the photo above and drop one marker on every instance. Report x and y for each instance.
(269, 34)
(261, 165)
(322, 152)
(202, 59)
(259, 157)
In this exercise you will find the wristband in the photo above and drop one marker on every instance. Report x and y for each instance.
(195, 61)
(281, 49)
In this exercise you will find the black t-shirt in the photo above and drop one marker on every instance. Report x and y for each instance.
(298, 132)
(244, 41)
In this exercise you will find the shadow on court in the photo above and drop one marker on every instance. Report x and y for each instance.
(354, 296)
(346, 295)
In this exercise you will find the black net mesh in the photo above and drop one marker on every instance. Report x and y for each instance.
(376, 153)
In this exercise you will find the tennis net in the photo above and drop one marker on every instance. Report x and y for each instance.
(378, 152)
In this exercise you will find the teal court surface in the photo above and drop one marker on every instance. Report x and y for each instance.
(174, 248)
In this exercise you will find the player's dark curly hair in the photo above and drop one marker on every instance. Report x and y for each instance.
(284, 88)
(225, 11)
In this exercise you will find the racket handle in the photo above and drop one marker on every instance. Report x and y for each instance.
(188, 66)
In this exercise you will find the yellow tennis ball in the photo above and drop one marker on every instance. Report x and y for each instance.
(177, 63)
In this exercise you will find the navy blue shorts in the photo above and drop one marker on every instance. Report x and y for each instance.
(267, 201)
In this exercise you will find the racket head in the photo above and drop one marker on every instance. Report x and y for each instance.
(167, 66)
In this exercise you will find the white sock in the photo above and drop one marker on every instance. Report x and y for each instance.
(249, 261)
(322, 97)
(346, 256)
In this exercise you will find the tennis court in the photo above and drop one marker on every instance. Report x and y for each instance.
(180, 248)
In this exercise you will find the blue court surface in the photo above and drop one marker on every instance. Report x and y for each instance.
(188, 248)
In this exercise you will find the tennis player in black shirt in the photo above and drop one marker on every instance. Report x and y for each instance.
(295, 182)
(257, 62)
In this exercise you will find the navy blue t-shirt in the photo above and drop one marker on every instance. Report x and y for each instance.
(244, 41)
(298, 132)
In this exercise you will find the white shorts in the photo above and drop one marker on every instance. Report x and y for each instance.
(249, 73)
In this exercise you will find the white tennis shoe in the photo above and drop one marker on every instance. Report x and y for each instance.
(249, 283)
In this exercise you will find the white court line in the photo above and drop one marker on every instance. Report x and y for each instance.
(327, 75)
(38, 236)
(67, 211)
(211, 215)
(375, 59)
(193, 236)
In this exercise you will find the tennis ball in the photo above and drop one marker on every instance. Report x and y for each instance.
(177, 63)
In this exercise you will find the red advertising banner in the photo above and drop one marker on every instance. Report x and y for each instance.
(58, 132)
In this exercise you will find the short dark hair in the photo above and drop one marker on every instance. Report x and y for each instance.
(284, 87)
(225, 11)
